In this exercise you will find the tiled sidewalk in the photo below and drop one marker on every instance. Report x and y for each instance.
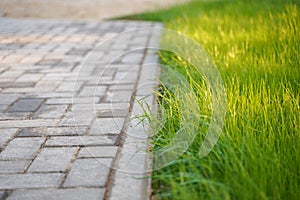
(63, 118)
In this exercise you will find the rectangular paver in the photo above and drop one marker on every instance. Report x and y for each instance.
(107, 125)
(6, 135)
(21, 148)
(88, 172)
(52, 160)
(58, 194)
(102, 151)
(18, 181)
(26, 105)
(80, 141)
(15, 166)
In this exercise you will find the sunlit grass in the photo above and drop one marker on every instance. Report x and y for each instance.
(256, 46)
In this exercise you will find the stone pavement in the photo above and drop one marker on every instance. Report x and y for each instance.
(64, 114)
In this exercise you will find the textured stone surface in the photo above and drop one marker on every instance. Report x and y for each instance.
(79, 141)
(26, 105)
(16, 181)
(107, 125)
(88, 172)
(58, 194)
(52, 160)
(6, 135)
(13, 166)
(64, 115)
(91, 152)
(21, 148)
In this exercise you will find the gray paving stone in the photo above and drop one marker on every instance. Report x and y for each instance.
(65, 131)
(102, 106)
(104, 151)
(69, 87)
(34, 77)
(90, 91)
(112, 113)
(88, 172)
(3, 107)
(58, 194)
(10, 84)
(119, 96)
(126, 75)
(33, 132)
(6, 135)
(51, 111)
(11, 74)
(26, 105)
(15, 166)
(14, 116)
(134, 58)
(107, 125)
(78, 118)
(80, 141)
(7, 99)
(21, 148)
(27, 123)
(19, 181)
(52, 160)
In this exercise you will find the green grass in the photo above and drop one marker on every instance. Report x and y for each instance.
(256, 47)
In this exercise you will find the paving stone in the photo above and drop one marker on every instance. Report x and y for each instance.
(33, 132)
(121, 87)
(130, 186)
(18, 181)
(6, 135)
(11, 74)
(21, 148)
(135, 58)
(51, 111)
(78, 118)
(119, 96)
(52, 160)
(26, 105)
(7, 99)
(20, 84)
(15, 166)
(3, 107)
(31, 59)
(103, 151)
(107, 125)
(14, 116)
(80, 141)
(64, 131)
(126, 75)
(77, 100)
(58, 194)
(112, 113)
(26, 90)
(90, 91)
(21, 123)
(100, 106)
(88, 172)
(69, 87)
(34, 77)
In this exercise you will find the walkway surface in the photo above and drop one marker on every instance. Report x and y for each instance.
(63, 118)
(80, 9)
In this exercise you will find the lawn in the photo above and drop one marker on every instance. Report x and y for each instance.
(256, 47)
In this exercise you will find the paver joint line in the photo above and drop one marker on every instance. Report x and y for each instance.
(43, 150)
